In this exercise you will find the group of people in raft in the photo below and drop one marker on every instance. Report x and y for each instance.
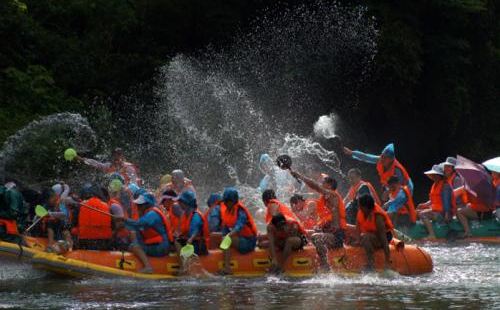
(125, 216)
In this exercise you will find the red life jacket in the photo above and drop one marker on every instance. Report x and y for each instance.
(229, 217)
(325, 216)
(353, 190)
(10, 226)
(150, 235)
(94, 225)
(186, 224)
(175, 222)
(384, 175)
(308, 222)
(282, 208)
(282, 234)
(368, 225)
(436, 200)
(409, 207)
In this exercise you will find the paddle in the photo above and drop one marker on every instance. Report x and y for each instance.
(97, 210)
(226, 243)
(285, 162)
(187, 251)
(41, 212)
(70, 154)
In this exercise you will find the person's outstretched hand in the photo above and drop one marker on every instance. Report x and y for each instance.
(347, 151)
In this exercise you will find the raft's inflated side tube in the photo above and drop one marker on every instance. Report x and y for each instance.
(411, 260)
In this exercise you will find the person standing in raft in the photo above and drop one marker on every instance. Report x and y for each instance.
(375, 229)
(118, 164)
(285, 234)
(153, 237)
(331, 217)
(274, 206)
(387, 166)
(400, 206)
(441, 202)
(305, 210)
(238, 224)
(194, 229)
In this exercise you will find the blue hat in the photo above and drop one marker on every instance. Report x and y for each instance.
(146, 199)
(230, 194)
(134, 188)
(389, 151)
(188, 198)
(214, 197)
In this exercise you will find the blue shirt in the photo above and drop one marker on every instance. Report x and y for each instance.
(214, 219)
(373, 159)
(148, 220)
(196, 225)
(241, 221)
(398, 202)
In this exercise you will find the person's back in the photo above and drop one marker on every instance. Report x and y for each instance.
(12, 213)
(94, 228)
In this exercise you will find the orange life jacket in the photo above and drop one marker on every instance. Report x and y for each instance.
(175, 222)
(409, 207)
(94, 225)
(230, 217)
(282, 208)
(282, 235)
(186, 223)
(353, 190)
(435, 197)
(384, 175)
(150, 235)
(475, 203)
(308, 222)
(10, 226)
(369, 225)
(325, 216)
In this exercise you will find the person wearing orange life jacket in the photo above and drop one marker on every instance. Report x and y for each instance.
(122, 237)
(331, 217)
(274, 206)
(194, 229)
(118, 164)
(387, 165)
(238, 224)
(441, 204)
(454, 179)
(94, 228)
(12, 213)
(212, 215)
(153, 233)
(356, 182)
(57, 223)
(172, 210)
(305, 210)
(400, 207)
(375, 229)
(285, 234)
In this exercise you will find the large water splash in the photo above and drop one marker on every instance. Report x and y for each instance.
(325, 126)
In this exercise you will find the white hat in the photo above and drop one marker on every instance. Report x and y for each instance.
(436, 169)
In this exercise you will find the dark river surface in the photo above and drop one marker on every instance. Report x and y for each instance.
(463, 277)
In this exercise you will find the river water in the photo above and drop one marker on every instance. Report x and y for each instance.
(463, 277)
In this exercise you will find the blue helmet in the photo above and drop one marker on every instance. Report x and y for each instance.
(231, 194)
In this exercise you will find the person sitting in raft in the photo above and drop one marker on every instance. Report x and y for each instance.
(94, 227)
(441, 202)
(387, 166)
(172, 210)
(375, 229)
(12, 213)
(454, 179)
(153, 237)
(356, 182)
(56, 223)
(274, 206)
(286, 235)
(213, 213)
(121, 235)
(194, 229)
(400, 207)
(118, 164)
(305, 210)
(180, 183)
(238, 224)
(331, 217)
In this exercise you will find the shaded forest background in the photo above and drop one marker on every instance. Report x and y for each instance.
(434, 88)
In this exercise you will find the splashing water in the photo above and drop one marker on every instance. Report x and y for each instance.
(325, 126)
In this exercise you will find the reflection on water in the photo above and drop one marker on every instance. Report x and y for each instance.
(463, 277)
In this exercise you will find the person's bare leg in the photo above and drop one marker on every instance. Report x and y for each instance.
(227, 255)
(68, 238)
(139, 252)
(319, 242)
(463, 216)
(368, 244)
(272, 246)
(291, 244)
(426, 218)
(50, 237)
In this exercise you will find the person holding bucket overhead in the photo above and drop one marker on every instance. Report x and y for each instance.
(238, 227)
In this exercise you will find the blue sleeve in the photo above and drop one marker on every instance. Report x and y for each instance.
(196, 225)
(147, 220)
(401, 178)
(264, 183)
(241, 222)
(446, 196)
(397, 203)
(367, 158)
(214, 219)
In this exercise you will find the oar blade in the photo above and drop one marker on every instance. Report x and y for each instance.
(40, 211)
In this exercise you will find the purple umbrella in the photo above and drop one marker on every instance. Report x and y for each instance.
(477, 180)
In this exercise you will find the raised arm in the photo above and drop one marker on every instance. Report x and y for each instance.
(364, 157)
(315, 186)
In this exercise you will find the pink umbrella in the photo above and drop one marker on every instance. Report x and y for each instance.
(477, 180)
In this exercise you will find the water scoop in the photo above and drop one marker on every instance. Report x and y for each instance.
(285, 162)
(187, 251)
(226, 243)
(70, 154)
(41, 212)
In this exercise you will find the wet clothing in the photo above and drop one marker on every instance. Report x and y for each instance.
(241, 222)
(213, 218)
(150, 225)
(193, 224)
(402, 204)
(368, 224)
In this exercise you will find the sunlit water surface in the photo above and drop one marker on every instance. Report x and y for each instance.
(463, 277)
